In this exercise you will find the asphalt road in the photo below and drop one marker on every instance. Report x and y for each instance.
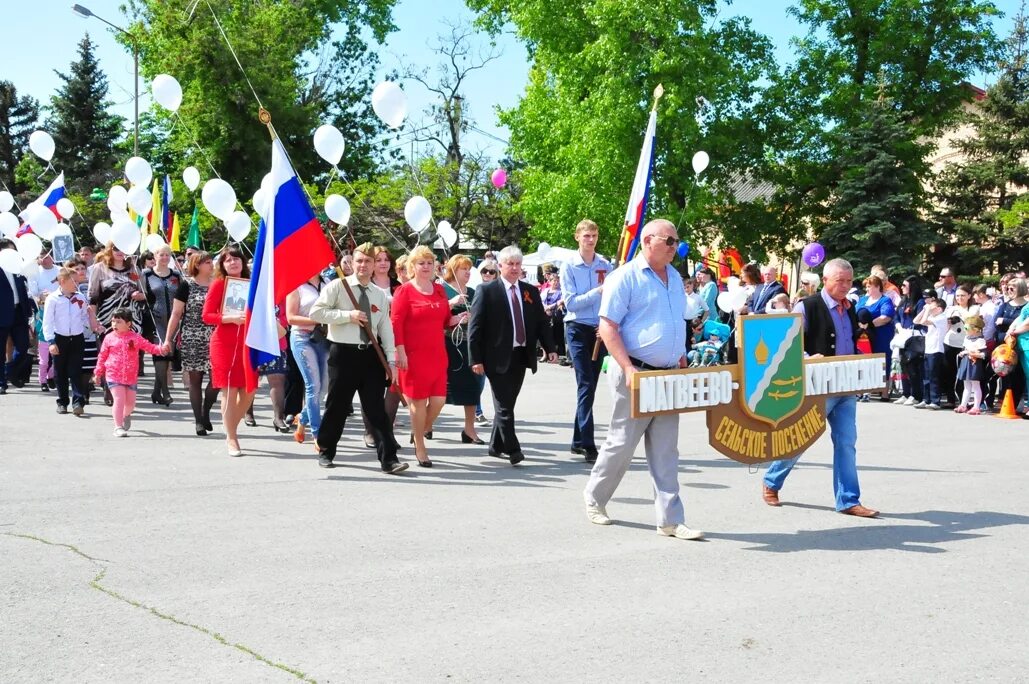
(158, 558)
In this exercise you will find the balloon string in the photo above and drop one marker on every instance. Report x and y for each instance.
(686, 204)
(14, 199)
(332, 174)
(196, 144)
(233, 51)
(421, 190)
(360, 198)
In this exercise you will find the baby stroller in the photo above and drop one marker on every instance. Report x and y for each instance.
(709, 345)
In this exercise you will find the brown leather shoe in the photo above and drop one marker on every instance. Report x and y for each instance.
(860, 511)
(770, 496)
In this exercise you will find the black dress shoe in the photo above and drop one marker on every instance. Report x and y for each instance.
(200, 429)
(578, 451)
(591, 455)
(325, 462)
(516, 457)
(60, 409)
(428, 435)
(250, 420)
(465, 439)
(394, 468)
(207, 425)
(44, 388)
(3, 390)
(427, 463)
(369, 441)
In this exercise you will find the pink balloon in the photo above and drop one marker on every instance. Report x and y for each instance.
(499, 178)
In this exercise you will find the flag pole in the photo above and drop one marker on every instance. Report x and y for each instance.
(659, 90)
(266, 118)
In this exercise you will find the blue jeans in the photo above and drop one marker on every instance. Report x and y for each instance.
(841, 412)
(931, 378)
(312, 360)
(581, 339)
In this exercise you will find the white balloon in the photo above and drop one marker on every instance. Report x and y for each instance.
(138, 171)
(140, 200)
(119, 213)
(154, 242)
(700, 162)
(6, 200)
(418, 213)
(42, 220)
(447, 234)
(125, 235)
(191, 177)
(738, 298)
(62, 229)
(29, 246)
(733, 283)
(65, 207)
(338, 209)
(30, 270)
(724, 302)
(390, 104)
(238, 225)
(167, 91)
(258, 201)
(42, 145)
(219, 198)
(9, 224)
(118, 193)
(329, 144)
(102, 233)
(11, 261)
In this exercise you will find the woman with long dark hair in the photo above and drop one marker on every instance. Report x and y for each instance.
(228, 355)
(912, 352)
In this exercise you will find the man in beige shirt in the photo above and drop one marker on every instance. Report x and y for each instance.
(353, 364)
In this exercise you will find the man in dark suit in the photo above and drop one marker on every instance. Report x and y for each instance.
(506, 324)
(15, 310)
(769, 287)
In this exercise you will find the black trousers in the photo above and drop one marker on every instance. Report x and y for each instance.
(15, 368)
(506, 387)
(68, 368)
(294, 401)
(356, 370)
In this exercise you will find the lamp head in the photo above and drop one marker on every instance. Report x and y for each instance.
(83, 12)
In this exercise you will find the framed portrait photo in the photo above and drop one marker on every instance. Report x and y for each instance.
(234, 302)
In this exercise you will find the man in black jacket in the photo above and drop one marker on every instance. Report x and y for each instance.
(770, 286)
(506, 324)
(15, 310)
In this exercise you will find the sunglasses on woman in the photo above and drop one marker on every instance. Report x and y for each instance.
(488, 271)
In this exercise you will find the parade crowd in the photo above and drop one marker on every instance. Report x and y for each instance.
(409, 331)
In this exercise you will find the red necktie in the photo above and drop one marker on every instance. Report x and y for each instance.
(519, 324)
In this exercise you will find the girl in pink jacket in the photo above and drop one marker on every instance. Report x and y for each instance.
(119, 362)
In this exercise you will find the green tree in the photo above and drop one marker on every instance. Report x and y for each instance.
(984, 210)
(18, 116)
(83, 129)
(876, 215)
(298, 74)
(924, 51)
(579, 126)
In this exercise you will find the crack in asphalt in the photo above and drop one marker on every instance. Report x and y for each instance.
(95, 583)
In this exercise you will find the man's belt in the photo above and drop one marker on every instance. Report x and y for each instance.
(359, 347)
(646, 366)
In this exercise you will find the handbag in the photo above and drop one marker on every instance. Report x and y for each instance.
(320, 333)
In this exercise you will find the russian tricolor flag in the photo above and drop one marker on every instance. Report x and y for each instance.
(49, 200)
(635, 214)
(291, 248)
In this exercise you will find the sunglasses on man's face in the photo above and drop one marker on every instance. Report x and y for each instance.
(669, 241)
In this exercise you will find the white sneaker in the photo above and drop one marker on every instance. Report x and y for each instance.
(901, 400)
(481, 419)
(933, 407)
(680, 531)
(597, 515)
(919, 405)
(910, 401)
(120, 432)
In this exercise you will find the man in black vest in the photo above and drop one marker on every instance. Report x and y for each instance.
(830, 329)
(507, 323)
(15, 310)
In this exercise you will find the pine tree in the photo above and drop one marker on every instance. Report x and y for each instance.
(83, 128)
(18, 117)
(875, 217)
(982, 198)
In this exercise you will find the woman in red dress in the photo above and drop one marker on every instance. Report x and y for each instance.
(421, 314)
(228, 355)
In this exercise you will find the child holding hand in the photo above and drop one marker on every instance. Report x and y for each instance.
(119, 363)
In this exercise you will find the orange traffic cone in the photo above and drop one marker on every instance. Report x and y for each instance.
(1007, 409)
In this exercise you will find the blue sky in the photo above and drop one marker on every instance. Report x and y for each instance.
(31, 69)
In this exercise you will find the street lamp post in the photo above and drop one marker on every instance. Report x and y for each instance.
(85, 13)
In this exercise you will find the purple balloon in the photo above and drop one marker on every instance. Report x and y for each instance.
(813, 254)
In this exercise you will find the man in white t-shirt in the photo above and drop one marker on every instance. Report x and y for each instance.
(934, 317)
(45, 281)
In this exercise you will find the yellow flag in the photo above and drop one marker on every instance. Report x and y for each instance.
(155, 210)
(174, 240)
